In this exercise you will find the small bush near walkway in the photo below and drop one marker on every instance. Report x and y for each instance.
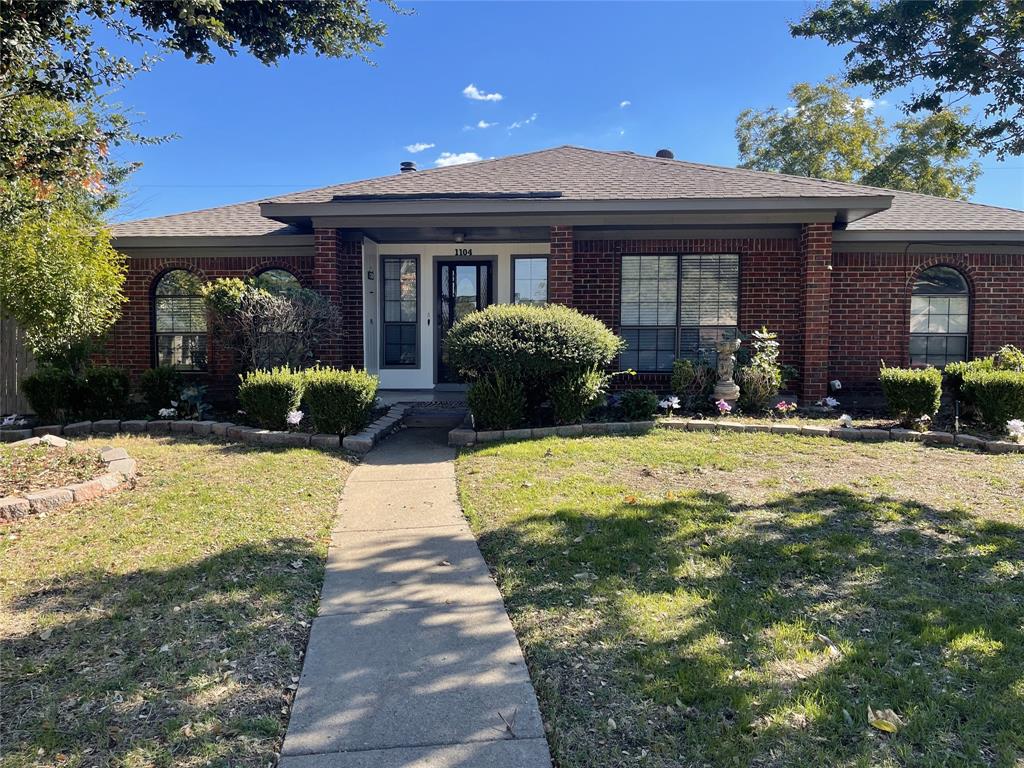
(267, 397)
(496, 402)
(544, 349)
(912, 394)
(339, 402)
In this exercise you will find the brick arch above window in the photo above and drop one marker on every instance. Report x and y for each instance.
(940, 315)
(178, 318)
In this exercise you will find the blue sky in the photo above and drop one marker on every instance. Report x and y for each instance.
(635, 76)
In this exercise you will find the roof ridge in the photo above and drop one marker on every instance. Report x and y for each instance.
(731, 170)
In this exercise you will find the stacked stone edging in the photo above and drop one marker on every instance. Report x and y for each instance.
(361, 442)
(464, 436)
(119, 469)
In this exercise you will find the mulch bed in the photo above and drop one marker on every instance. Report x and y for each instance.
(38, 468)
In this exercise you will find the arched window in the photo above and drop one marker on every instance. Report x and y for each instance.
(279, 281)
(179, 321)
(939, 310)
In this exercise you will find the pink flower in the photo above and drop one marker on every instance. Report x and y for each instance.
(723, 407)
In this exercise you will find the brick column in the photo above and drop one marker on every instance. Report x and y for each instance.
(350, 297)
(560, 277)
(325, 282)
(816, 295)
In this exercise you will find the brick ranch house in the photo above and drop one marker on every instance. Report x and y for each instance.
(672, 255)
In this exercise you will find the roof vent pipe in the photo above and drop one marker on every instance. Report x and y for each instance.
(408, 166)
(668, 154)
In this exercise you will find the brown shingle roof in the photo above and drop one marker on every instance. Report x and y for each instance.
(587, 174)
(576, 173)
(239, 219)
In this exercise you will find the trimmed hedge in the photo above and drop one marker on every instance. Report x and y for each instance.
(997, 395)
(539, 347)
(339, 402)
(268, 396)
(575, 394)
(57, 394)
(496, 402)
(912, 393)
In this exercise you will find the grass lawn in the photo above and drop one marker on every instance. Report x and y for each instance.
(692, 599)
(164, 625)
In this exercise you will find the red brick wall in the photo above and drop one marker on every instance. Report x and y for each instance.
(130, 343)
(871, 307)
(337, 274)
(769, 289)
(561, 266)
(816, 295)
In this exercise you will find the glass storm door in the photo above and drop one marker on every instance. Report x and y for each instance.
(462, 287)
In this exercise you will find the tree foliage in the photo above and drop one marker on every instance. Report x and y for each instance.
(60, 279)
(949, 50)
(59, 51)
(828, 133)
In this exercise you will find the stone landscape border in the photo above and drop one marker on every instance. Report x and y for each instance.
(464, 437)
(119, 468)
(362, 442)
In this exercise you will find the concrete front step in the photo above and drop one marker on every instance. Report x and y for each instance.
(440, 418)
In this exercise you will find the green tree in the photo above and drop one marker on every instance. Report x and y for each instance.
(949, 50)
(828, 133)
(60, 278)
(53, 50)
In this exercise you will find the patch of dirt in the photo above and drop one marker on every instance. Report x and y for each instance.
(41, 467)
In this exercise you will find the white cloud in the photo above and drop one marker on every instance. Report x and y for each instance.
(484, 124)
(452, 158)
(474, 93)
(625, 103)
(419, 146)
(866, 103)
(521, 123)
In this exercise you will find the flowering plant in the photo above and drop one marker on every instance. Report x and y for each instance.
(828, 402)
(784, 408)
(723, 407)
(294, 418)
(1015, 428)
(846, 421)
(167, 413)
(669, 404)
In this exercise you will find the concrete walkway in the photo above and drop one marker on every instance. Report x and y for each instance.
(412, 661)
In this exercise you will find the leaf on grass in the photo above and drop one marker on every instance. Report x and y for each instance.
(884, 720)
(630, 499)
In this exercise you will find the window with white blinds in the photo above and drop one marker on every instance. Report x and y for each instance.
(676, 307)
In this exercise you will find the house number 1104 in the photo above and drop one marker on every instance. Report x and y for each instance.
(463, 251)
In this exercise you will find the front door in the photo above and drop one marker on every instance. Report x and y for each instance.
(462, 287)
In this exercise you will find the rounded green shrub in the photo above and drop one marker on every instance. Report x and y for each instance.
(339, 402)
(693, 383)
(159, 387)
(998, 396)
(496, 402)
(536, 346)
(912, 393)
(268, 396)
(51, 392)
(638, 404)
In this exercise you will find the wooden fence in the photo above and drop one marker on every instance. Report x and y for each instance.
(15, 364)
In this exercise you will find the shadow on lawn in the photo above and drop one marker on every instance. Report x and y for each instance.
(711, 622)
(161, 666)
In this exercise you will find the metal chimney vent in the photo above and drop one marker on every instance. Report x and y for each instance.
(668, 154)
(408, 166)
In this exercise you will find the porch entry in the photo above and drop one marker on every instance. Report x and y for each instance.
(462, 287)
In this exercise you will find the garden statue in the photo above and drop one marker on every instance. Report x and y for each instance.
(726, 389)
